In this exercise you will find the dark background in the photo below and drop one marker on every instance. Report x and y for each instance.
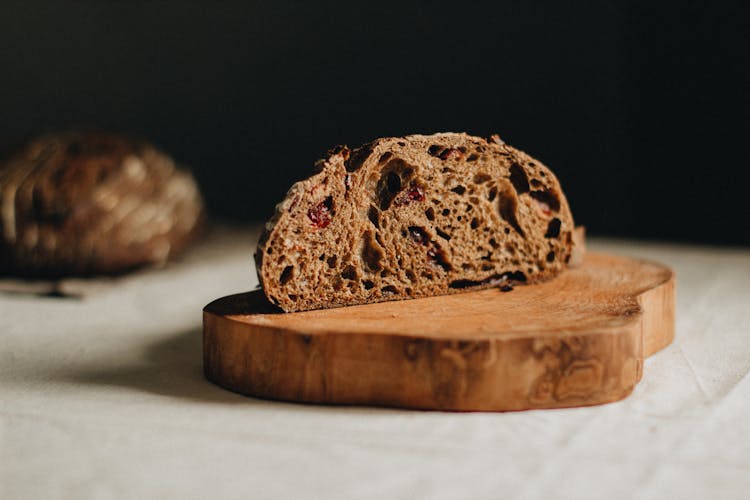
(641, 108)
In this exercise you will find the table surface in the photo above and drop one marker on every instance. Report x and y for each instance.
(102, 396)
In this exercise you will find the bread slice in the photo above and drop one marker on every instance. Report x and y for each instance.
(414, 216)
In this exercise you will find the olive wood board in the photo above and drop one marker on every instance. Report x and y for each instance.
(579, 339)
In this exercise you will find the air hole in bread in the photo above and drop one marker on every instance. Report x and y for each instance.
(411, 276)
(494, 279)
(507, 207)
(430, 214)
(459, 190)
(547, 200)
(437, 257)
(393, 182)
(372, 214)
(367, 284)
(349, 273)
(492, 194)
(519, 179)
(286, 275)
(516, 276)
(356, 158)
(394, 176)
(446, 211)
(389, 290)
(419, 235)
(442, 234)
(389, 186)
(472, 157)
(474, 223)
(332, 261)
(379, 239)
(292, 296)
(551, 257)
(371, 252)
(535, 183)
(409, 291)
(385, 157)
(553, 228)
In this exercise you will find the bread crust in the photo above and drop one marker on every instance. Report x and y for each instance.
(92, 203)
(415, 216)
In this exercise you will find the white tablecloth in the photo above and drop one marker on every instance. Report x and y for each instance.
(103, 397)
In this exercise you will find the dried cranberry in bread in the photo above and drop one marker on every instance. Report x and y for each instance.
(414, 216)
(92, 203)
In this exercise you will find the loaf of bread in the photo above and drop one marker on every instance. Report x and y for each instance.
(414, 216)
(92, 203)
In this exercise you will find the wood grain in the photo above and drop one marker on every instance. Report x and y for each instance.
(579, 339)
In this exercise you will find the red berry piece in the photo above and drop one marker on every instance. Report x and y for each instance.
(544, 207)
(413, 193)
(320, 215)
(451, 154)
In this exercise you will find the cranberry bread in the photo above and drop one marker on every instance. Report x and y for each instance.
(414, 216)
(92, 203)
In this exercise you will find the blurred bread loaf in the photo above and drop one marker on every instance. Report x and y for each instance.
(92, 203)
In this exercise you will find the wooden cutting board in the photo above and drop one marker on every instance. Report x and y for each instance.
(579, 339)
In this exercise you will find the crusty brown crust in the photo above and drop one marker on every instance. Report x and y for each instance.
(92, 203)
(414, 216)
